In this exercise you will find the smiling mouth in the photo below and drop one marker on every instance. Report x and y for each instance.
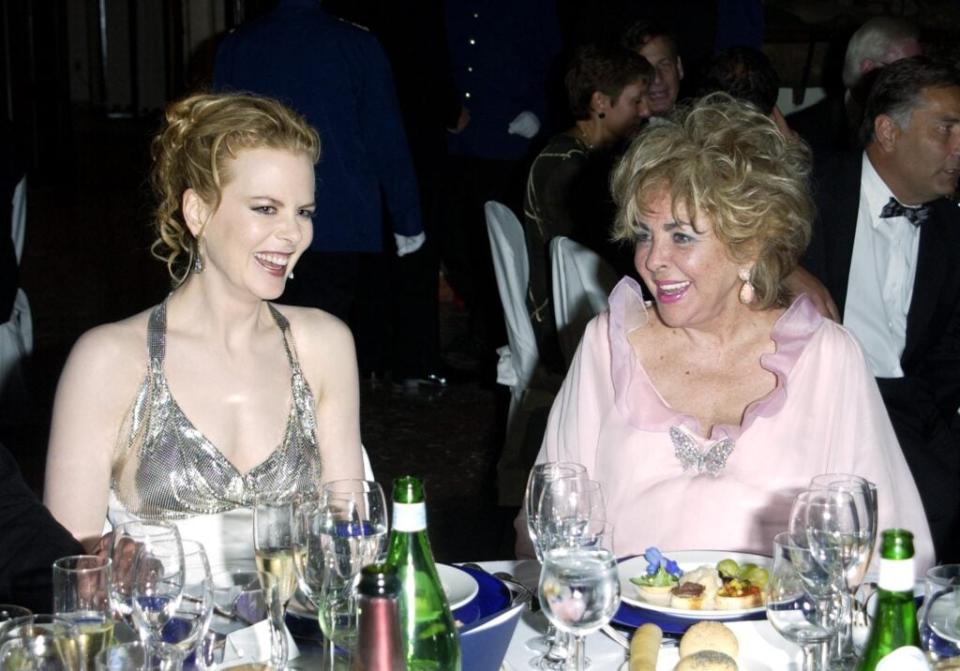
(273, 263)
(670, 292)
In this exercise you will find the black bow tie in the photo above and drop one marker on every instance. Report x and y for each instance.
(915, 215)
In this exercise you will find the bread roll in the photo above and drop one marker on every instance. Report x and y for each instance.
(644, 647)
(706, 660)
(709, 635)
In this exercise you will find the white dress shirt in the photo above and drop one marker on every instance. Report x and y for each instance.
(882, 270)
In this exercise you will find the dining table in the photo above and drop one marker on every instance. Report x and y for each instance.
(761, 647)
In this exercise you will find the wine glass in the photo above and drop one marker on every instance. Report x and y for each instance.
(308, 553)
(844, 519)
(352, 533)
(81, 594)
(274, 542)
(940, 615)
(801, 599)
(580, 592)
(157, 584)
(566, 506)
(553, 647)
(189, 624)
(9, 611)
(127, 540)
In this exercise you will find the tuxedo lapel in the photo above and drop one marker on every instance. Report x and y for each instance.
(839, 206)
(932, 268)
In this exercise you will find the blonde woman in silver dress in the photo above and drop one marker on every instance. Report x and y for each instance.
(190, 410)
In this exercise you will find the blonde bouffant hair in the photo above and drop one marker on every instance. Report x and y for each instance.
(200, 135)
(724, 159)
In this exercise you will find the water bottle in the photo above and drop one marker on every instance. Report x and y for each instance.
(427, 632)
(895, 622)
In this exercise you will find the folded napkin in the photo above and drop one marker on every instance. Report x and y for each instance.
(907, 658)
(252, 644)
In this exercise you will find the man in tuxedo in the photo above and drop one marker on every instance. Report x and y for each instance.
(887, 246)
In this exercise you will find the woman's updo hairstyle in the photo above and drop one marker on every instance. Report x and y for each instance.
(200, 134)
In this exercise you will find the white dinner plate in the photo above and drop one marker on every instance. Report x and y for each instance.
(459, 585)
(687, 560)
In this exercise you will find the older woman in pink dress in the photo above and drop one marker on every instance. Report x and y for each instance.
(703, 413)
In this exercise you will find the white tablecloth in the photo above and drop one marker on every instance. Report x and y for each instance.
(761, 647)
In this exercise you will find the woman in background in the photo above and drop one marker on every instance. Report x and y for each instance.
(568, 189)
(192, 409)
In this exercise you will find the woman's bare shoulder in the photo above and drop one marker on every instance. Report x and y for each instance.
(118, 347)
(317, 333)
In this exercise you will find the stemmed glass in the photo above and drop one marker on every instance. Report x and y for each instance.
(351, 532)
(157, 586)
(81, 594)
(41, 643)
(554, 650)
(839, 515)
(126, 543)
(274, 542)
(801, 599)
(580, 592)
(188, 626)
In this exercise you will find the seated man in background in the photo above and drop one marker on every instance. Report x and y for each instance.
(887, 246)
(31, 540)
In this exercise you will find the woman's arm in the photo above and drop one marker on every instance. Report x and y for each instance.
(331, 360)
(97, 385)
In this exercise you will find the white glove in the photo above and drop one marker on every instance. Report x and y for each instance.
(408, 244)
(526, 124)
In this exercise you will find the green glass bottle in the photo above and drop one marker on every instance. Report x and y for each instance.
(895, 622)
(427, 631)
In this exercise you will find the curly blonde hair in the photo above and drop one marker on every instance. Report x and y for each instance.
(723, 158)
(191, 151)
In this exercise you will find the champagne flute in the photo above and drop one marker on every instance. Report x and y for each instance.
(189, 624)
(580, 592)
(157, 585)
(274, 543)
(800, 599)
(81, 594)
(43, 642)
(308, 553)
(125, 544)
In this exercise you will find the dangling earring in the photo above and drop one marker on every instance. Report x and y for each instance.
(290, 276)
(197, 261)
(747, 293)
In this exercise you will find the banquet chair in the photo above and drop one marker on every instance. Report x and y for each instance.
(16, 332)
(531, 388)
(582, 280)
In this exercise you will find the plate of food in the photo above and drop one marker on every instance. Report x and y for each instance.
(695, 584)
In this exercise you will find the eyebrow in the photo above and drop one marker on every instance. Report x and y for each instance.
(275, 201)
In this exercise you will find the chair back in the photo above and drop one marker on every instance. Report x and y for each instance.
(512, 269)
(582, 281)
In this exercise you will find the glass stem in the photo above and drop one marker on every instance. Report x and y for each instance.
(559, 649)
(579, 654)
(813, 654)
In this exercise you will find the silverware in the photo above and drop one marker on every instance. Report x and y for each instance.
(520, 593)
(616, 636)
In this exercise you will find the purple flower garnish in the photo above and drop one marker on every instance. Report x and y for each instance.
(656, 561)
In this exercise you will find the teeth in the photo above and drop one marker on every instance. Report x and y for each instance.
(275, 259)
(673, 287)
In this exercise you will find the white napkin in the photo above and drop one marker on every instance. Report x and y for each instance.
(907, 658)
(252, 644)
(526, 124)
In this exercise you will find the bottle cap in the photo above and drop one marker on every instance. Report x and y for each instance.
(378, 580)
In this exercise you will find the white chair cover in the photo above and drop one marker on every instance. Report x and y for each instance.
(531, 391)
(582, 281)
(16, 332)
